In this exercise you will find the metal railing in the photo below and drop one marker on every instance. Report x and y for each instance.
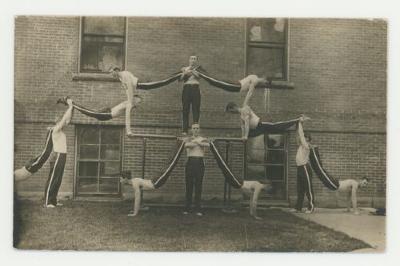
(228, 143)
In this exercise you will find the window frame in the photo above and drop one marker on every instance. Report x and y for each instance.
(78, 159)
(81, 38)
(268, 45)
(265, 164)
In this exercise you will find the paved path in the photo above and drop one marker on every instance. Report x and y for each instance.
(366, 227)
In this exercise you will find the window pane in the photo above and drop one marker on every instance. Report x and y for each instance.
(104, 25)
(110, 136)
(89, 135)
(88, 169)
(110, 152)
(275, 141)
(255, 172)
(89, 152)
(110, 55)
(89, 56)
(275, 172)
(276, 157)
(266, 61)
(109, 168)
(267, 30)
(278, 191)
(255, 149)
(87, 185)
(109, 185)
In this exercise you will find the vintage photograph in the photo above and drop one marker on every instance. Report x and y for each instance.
(212, 134)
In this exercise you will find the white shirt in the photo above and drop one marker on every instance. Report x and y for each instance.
(59, 140)
(303, 152)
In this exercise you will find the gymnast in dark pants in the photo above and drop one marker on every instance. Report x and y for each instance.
(194, 170)
(304, 172)
(191, 96)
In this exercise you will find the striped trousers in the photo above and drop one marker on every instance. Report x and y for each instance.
(35, 164)
(55, 177)
(304, 187)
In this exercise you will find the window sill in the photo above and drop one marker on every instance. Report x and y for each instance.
(93, 77)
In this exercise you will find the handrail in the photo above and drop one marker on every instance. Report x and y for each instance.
(228, 140)
(180, 137)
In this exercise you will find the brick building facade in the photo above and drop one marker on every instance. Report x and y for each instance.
(338, 67)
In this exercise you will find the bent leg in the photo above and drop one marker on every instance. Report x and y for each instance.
(118, 110)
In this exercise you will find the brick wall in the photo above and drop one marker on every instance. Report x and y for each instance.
(338, 66)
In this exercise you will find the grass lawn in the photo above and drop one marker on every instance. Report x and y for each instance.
(106, 226)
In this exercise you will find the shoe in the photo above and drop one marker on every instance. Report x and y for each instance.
(199, 214)
(49, 206)
(295, 210)
(59, 204)
(185, 213)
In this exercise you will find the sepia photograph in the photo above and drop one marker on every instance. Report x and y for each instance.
(204, 134)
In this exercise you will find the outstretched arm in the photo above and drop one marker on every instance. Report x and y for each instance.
(128, 108)
(300, 134)
(66, 119)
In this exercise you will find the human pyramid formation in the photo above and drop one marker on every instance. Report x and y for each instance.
(251, 126)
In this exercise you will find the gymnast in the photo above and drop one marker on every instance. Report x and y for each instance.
(251, 124)
(248, 187)
(129, 83)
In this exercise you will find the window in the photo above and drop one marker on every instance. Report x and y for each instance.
(99, 160)
(267, 160)
(102, 43)
(267, 47)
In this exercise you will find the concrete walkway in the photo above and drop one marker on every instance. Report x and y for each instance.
(367, 227)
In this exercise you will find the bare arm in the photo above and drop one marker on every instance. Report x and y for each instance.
(300, 132)
(66, 119)
(136, 206)
(128, 108)
(204, 143)
(249, 94)
(190, 144)
(349, 193)
(253, 206)
(354, 198)
(184, 73)
(246, 127)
